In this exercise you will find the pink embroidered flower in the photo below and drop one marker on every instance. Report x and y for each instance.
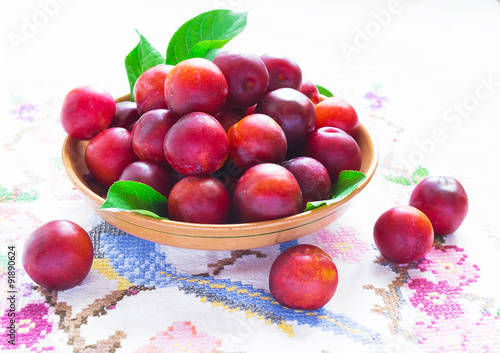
(450, 264)
(32, 326)
(180, 337)
(377, 101)
(458, 335)
(68, 195)
(31, 113)
(436, 299)
(342, 242)
(16, 223)
(26, 112)
(24, 289)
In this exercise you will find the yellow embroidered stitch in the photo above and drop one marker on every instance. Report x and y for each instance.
(103, 267)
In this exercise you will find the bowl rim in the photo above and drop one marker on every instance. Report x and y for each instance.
(273, 226)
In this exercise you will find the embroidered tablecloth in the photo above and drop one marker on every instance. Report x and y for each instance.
(423, 76)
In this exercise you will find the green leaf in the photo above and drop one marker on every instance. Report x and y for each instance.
(324, 91)
(141, 58)
(137, 197)
(212, 53)
(209, 30)
(347, 182)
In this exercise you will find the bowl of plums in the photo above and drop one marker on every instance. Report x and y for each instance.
(236, 151)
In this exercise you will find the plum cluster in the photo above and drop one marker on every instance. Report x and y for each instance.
(242, 138)
(438, 205)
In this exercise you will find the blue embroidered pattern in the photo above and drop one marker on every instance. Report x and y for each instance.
(142, 263)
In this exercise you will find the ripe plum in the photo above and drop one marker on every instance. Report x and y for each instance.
(255, 139)
(443, 200)
(293, 111)
(227, 118)
(313, 178)
(108, 153)
(58, 255)
(126, 115)
(196, 144)
(151, 174)
(86, 111)
(303, 277)
(195, 85)
(149, 133)
(149, 88)
(283, 72)
(266, 191)
(199, 199)
(335, 149)
(337, 112)
(246, 75)
(310, 90)
(403, 234)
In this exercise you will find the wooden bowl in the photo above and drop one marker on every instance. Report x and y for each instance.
(209, 236)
